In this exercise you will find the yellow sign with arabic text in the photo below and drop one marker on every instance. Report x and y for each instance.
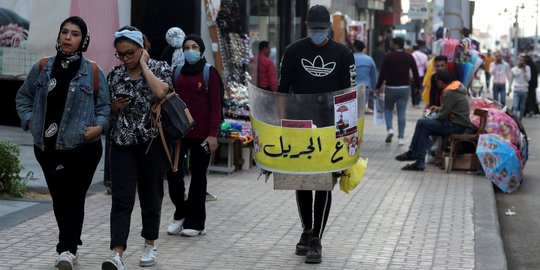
(304, 150)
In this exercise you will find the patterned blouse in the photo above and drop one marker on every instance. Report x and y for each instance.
(133, 123)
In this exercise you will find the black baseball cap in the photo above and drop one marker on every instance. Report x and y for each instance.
(318, 17)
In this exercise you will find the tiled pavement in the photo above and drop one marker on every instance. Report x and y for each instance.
(393, 220)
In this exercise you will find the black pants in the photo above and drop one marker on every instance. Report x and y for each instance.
(320, 211)
(416, 94)
(132, 169)
(69, 174)
(194, 208)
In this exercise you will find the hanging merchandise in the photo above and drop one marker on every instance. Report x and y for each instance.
(234, 47)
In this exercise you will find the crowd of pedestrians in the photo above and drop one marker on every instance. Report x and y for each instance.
(68, 102)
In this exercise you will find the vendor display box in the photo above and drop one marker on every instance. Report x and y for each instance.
(322, 181)
(465, 162)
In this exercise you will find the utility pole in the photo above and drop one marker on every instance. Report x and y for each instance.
(453, 21)
(536, 31)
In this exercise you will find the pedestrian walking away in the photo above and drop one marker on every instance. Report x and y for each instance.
(204, 103)
(531, 106)
(67, 142)
(421, 60)
(297, 76)
(395, 74)
(488, 59)
(136, 164)
(366, 72)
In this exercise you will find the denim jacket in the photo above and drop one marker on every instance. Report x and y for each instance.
(79, 112)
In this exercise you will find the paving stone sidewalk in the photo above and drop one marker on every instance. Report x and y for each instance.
(392, 220)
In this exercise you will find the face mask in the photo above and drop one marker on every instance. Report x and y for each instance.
(318, 36)
(192, 56)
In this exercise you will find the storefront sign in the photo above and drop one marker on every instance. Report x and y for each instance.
(418, 10)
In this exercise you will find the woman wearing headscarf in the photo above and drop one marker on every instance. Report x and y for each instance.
(204, 104)
(174, 54)
(137, 161)
(66, 115)
(531, 107)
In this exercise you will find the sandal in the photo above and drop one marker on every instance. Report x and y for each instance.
(412, 167)
(407, 156)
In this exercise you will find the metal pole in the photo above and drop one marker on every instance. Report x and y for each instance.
(536, 31)
(516, 31)
(452, 18)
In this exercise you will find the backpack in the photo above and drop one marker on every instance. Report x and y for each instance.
(206, 78)
(95, 73)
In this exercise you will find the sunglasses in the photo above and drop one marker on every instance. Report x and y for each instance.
(129, 54)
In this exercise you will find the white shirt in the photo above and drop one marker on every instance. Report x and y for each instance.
(421, 60)
(521, 78)
(499, 72)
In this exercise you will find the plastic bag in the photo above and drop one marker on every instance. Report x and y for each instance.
(538, 96)
(352, 176)
(378, 111)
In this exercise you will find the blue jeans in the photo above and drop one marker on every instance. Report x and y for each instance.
(426, 127)
(520, 98)
(499, 93)
(399, 96)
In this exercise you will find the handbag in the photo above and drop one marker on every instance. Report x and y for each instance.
(173, 120)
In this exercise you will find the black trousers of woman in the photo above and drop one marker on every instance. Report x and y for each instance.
(194, 208)
(314, 216)
(69, 174)
(132, 169)
(531, 107)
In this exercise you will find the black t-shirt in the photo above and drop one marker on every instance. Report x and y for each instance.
(306, 69)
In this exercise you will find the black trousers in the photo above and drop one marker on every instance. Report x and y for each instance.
(194, 208)
(314, 216)
(69, 174)
(133, 169)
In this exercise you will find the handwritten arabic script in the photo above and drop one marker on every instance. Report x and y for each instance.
(271, 150)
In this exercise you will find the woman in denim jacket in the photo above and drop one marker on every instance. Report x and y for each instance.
(66, 116)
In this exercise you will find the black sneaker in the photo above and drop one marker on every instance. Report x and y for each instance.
(303, 245)
(389, 138)
(314, 254)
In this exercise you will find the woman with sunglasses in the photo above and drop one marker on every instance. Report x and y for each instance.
(135, 162)
(66, 115)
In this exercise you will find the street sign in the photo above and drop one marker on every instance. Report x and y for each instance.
(418, 10)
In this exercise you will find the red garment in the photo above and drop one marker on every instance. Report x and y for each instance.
(266, 75)
(205, 107)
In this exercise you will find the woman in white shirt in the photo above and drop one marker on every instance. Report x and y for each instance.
(520, 75)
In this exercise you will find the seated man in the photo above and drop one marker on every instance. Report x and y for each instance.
(452, 117)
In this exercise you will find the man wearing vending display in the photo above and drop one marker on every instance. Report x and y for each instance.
(316, 64)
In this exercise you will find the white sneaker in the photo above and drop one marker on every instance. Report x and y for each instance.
(400, 141)
(192, 232)
(65, 261)
(113, 262)
(175, 227)
(148, 256)
(210, 197)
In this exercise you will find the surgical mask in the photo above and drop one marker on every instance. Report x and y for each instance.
(318, 35)
(192, 56)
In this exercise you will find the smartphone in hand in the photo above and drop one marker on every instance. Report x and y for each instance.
(206, 147)
(122, 96)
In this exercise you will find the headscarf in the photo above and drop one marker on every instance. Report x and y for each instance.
(175, 37)
(63, 58)
(198, 67)
(135, 36)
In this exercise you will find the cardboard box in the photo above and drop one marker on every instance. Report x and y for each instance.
(465, 162)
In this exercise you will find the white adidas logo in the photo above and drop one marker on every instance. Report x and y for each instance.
(318, 68)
